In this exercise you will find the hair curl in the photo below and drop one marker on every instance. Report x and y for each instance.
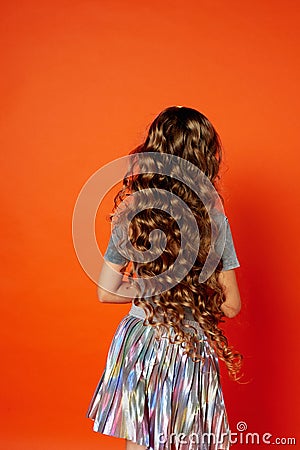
(186, 133)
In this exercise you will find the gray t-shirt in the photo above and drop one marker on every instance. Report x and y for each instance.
(229, 257)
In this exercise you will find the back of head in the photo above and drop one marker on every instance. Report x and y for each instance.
(187, 133)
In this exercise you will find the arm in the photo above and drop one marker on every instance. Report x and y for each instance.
(111, 288)
(232, 304)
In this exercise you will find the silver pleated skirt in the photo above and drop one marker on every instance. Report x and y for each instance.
(154, 395)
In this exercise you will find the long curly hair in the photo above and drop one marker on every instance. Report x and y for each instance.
(188, 134)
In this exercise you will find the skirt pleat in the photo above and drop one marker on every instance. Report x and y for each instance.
(154, 395)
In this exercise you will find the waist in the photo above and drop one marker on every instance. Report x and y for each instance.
(138, 312)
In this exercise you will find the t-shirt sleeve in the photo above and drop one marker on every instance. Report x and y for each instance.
(229, 257)
(112, 255)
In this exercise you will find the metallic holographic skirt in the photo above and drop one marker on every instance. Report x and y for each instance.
(152, 394)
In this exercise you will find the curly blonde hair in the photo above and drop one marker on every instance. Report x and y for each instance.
(188, 134)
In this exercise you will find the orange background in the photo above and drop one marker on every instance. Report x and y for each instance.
(80, 82)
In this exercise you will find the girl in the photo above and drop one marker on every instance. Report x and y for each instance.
(161, 385)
